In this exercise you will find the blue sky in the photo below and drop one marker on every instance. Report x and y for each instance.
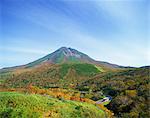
(115, 31)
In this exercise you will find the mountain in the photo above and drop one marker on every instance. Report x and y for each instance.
(65, 55)
(61, 68)
(69, 55)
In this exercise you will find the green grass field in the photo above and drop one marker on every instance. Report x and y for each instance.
(82, 69)
(18, 105)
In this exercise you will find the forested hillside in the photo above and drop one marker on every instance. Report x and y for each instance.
(129, 90)
(48, 76)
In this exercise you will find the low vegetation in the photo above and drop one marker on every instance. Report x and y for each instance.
(18, 105)
(50, 76)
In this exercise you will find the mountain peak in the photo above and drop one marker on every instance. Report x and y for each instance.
(66, 49)
(63, 48)
(69, 52)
